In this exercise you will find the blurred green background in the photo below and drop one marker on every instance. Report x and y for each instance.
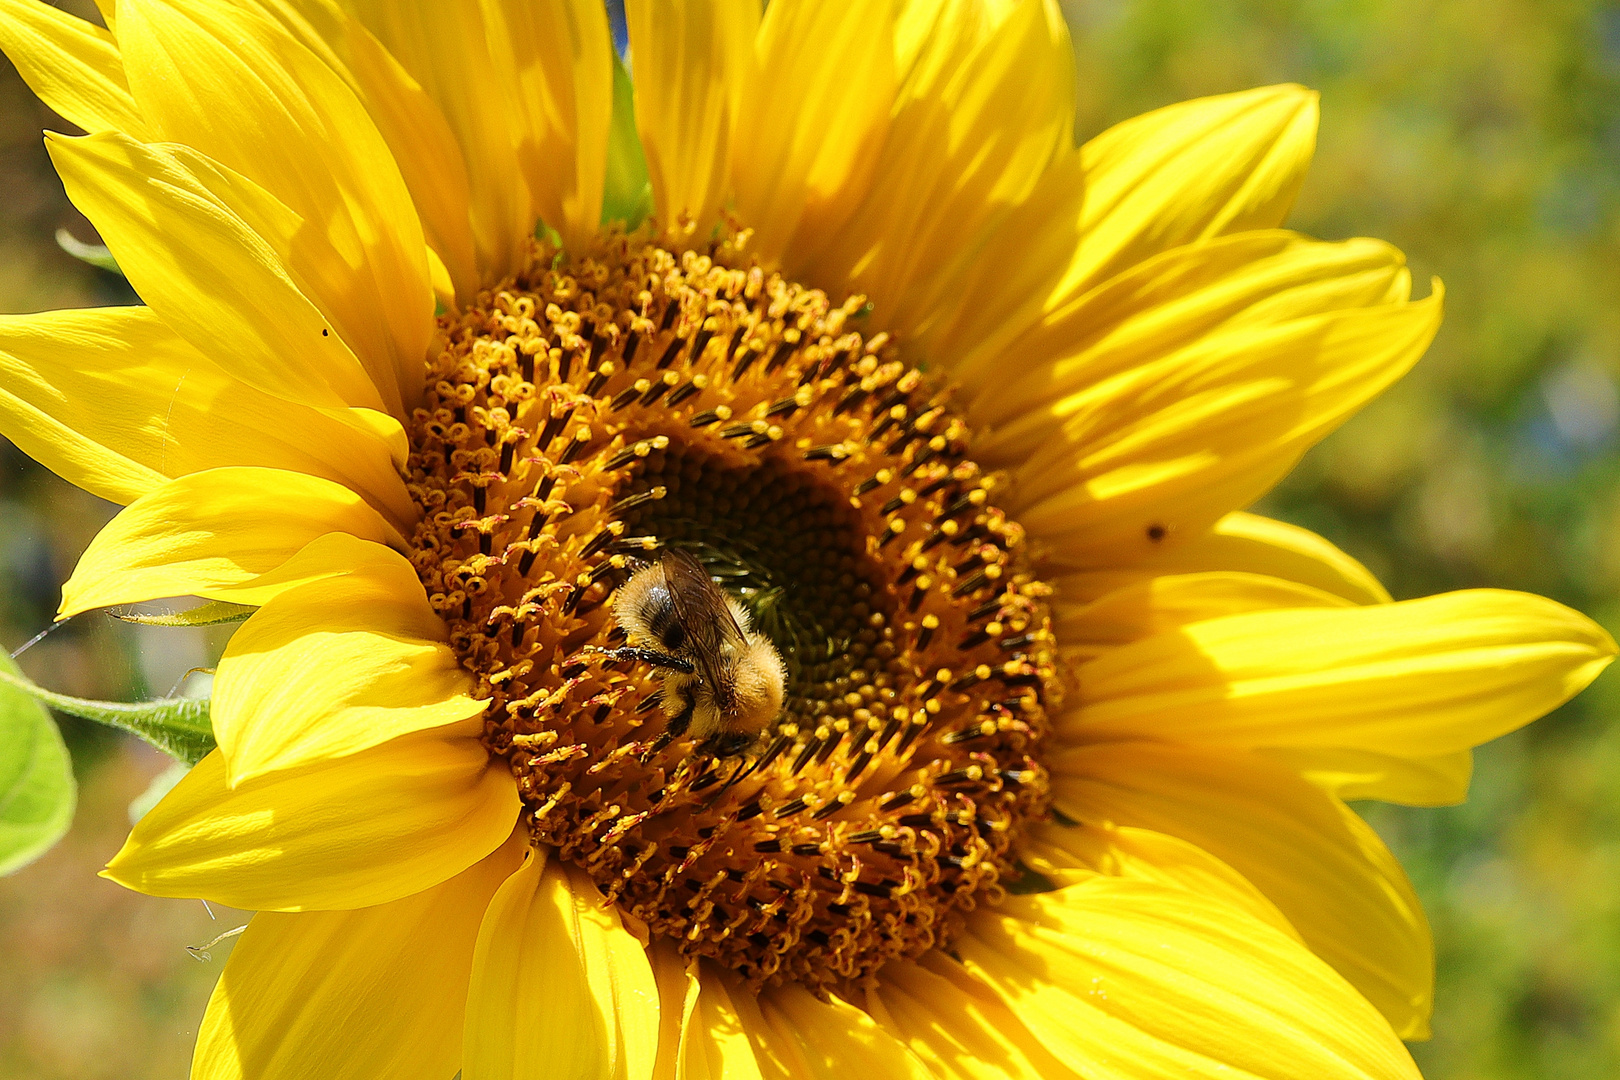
(1480, 136)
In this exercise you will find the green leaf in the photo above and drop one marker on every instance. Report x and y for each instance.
(37, 793)
(180, 727)
(627, 193)
(95, 254)
(209, 614)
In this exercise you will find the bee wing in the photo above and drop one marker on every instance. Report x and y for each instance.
(704, 614)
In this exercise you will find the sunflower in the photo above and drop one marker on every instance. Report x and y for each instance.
(961, 415)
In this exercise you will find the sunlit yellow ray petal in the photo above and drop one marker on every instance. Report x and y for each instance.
(690, 62)
(318, 25)
(986, 105)
(1128, 980)
(1239, 543)
(351, 995)
(986, 300)
(438, 44)
(1252, 279)
(429, 157)
(700, 1034)
(549, 948)
(210, 529)
(1065, 854)
(1180, 174)
(558, 57)
(409, 121)
(1191, 171)
(1416, 678)
(797, 1036)
(392, 821)
(1438, 780)
(1160, 604)
(73, 66)
(351, 657)
(114, 401)
(955, 1023)
(1171, 446)
(1320, 864)
(813, 119)
(40, 410)
(206, 273)
(678, 988)
(239, 88)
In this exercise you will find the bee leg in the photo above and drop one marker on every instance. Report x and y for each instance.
(753, 766)
(736, 774)
(672, 731)
(646, 656)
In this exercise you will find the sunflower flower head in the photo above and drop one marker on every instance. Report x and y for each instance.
(958, 417)
(590, 411)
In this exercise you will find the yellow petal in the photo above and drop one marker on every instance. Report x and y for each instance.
(678, 990)
(438, 44)
(1065, 854)
(560, 989)
(210, 529)
(1165, 603)
(559, 59)
(987, 300)
(1437, 780)
(1417, 678)
(1165, 304)
(1191, 171)
(1169, 447)
(240, 89)
(349, 659)
(690, 63)
(1129, 980)
(409, 121)
(363, 830)
(813, 120)
(1181, 174)
(1242, 543)
(114, 401)
(701, 1036)
(985, 107)
(39, 407)
(1320, 864)
(206, 273)
(351, 995)
(425, 148)
(956, 1024)
(796, 1035)
(73, 66)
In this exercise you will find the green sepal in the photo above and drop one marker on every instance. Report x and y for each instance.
(96, 255)
(626, 193)
(210, 614)
(37, 792)
(180, 727)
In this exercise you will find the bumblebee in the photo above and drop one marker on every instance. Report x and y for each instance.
(722, 681)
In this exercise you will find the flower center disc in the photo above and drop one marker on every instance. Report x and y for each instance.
(587, 415)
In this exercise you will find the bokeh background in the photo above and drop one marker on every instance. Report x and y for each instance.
(1480, 136)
